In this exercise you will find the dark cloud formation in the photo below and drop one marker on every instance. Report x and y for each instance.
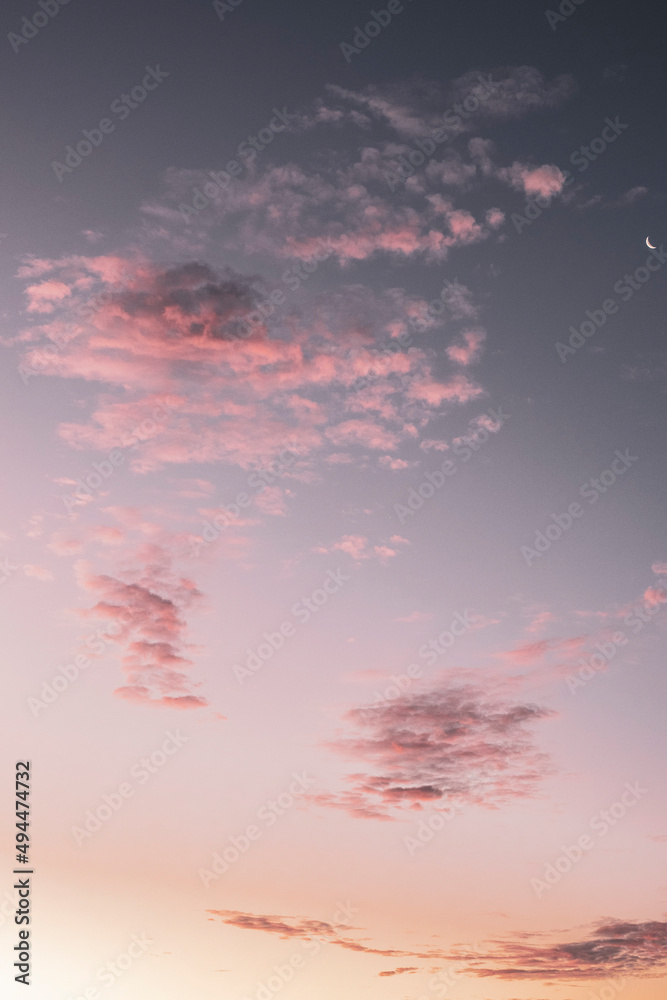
(237, 391)
(615, 948)
(454, 743)
(191, 300)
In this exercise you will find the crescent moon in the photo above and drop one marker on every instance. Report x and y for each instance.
(649, 244)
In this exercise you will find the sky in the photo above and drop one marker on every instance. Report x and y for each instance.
(333, 572)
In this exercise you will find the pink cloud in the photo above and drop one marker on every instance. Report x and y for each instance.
(43, 297)
(359, 548)
(655, 595)
(454, 742)
(495, 217)
(288, 213)
(287, 928)
(179, 385)
(147, 611)
(362, 432)
(539, 619)
(613, 949)
(395, 464)
(429, 443)
(458, 389)
(355, 546)
(545, 181)
(63, 546)
(108, 534)
(302, 927)
(38, 572)
(272, 500)
(469, 350)
(533, 652)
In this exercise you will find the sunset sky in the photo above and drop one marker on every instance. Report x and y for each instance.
(333, 566)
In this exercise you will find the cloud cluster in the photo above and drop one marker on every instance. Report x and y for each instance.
(345, 212)
(452, 743)
(169, 337)
(144, 607)
(612, 948)
(359, 548)
(341, 205)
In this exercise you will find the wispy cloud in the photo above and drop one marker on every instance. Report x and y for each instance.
(305, 928)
